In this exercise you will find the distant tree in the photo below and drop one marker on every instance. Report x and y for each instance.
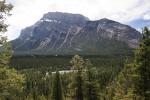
(77, 63)
(142, 65)
(57, 91)
(11, 82)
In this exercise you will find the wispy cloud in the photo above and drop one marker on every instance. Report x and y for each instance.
(27, 12)
(146, 16)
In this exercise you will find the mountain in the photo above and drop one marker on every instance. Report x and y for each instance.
(67, 34)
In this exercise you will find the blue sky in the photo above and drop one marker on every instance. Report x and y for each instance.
(27, 12)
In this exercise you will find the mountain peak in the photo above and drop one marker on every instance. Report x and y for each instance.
(106, 20)
(66, 33)
(60, 14)
(64, 16)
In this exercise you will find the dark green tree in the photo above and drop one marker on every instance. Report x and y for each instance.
(123, 85)
(4, 10)
(142, 64)
(91, 83)
(57, 91)
(79, 86)
(11, 82)
(5, 52)
(78, 65)
(133, 81)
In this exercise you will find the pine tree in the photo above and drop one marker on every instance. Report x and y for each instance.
(79, 86)
(91, 84)
(133, 81)
(57, 91)
(78, 65)
(123, 87)
(29, 97)
(5, 52)
(42, 98)
(142, 64)
(4, 10)
(11, 82)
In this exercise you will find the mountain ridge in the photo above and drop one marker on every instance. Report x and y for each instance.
(65, 33)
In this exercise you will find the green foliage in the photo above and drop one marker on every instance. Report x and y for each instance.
(57, 91)
(133, 81)
(78, 65)
(122, 87)
(38, 83)
(142, 64)
(51, 63)
(11, 82)
(86, 79)
(4, 10)
(91, 83)
(79, 86)
(42, 63)
(6, 53)
(42, 98)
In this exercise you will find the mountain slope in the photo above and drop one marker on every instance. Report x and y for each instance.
(65, 33)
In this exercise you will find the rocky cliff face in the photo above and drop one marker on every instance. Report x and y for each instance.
(65, 33)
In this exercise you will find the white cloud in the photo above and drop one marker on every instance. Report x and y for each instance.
(146, 16)
(27, 12)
